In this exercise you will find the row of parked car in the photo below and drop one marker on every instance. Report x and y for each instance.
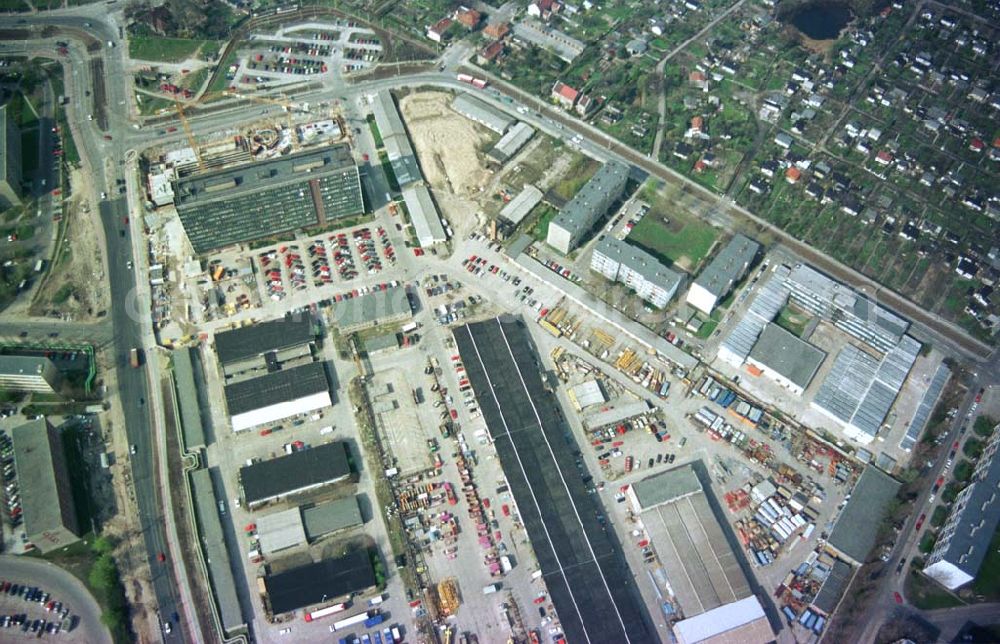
(11, 492)
(56, 620)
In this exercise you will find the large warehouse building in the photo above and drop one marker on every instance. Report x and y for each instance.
(722, 274)
(402, 159)
(783, 357)
(587, 578)
(853, 535)
(859, 390)
(587, 206)
(278, 395)
(735, 348)
(50, 520)
(622, 262)
(286, 529)
(223, 207)
(372, 309)
(10, 160)
(845, 308)
(214, 551)
(964, 540)
(702, 568)
(329, 581)
(295, 473)
(481, 112)
(255, 348)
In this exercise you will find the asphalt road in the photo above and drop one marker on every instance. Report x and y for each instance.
(133, 393)
(61, 586)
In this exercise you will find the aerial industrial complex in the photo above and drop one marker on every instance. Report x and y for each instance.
(319, 330)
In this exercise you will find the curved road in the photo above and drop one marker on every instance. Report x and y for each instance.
(62, 586)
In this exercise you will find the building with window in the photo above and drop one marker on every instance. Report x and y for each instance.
(622, 262)
(964, 539)
(29, 373)
(587, 206)
(722, 274)
(230, 206)
(10, 160)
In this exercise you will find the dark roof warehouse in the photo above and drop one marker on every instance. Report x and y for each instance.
(323, 581)
(295, 472)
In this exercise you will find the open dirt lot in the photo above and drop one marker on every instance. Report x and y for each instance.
(446, 143)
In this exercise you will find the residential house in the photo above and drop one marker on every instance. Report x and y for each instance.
(491, 52)
(585, 105)
(497, 30)
(565, 95)
(437, 30)
(468, 18)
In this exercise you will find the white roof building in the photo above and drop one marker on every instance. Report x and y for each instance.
(740, 621)
(424, 215)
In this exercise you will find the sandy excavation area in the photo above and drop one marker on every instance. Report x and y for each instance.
(445, 143)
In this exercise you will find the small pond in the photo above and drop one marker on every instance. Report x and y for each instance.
(820, 20)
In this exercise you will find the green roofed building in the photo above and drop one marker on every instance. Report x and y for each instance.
(234, 205)
(853, 535)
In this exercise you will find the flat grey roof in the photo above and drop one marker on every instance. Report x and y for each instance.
(522, 204)
(581, 212)
(729, 266)
(395, 139)
(666, 487)
(233, 205)
(791, 357)
(512, 141)
(702, 569)
(192, 428)
(833, 587)
(213, 544)
(481, 112)
(20, 365)
(639, 261)
(280, 530)
(331, 516)
(858, 524)
(6, 124)
(424, 215)
(372, 307)
(289, 473)
(276, 387)
(245, 342)
(927, 403)
(40, 462)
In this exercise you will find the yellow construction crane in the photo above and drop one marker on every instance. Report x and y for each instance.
(189, 134)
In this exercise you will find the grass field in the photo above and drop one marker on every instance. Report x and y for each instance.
(679, 239)
(793, 321)
(167, 50)
(540, 228)
(926, 594)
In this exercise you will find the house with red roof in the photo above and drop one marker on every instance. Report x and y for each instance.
(564, 95)
(792, 175)
(469, 18)
(437, 30)
(491, 52)
(497, 30)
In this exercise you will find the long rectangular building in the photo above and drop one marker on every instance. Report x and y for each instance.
(295, 473)
(29, 373)
(964, 540)
(511, 142)
(395, 139)
(50, 520)
(522, 204)
(234, 205)
(481, 112)
(214, 551)
(584, 569)
(424, 215)
(722, 274)
(328, 581)
(622, 262)
(253, 347)
(853, 535)
(278, 395)
(587, 206)
(372, 309)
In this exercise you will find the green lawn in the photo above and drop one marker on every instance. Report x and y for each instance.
(681, 239)
(545, 214)
(926, 594)
(988, 580)
(793, 321)
(168, 50)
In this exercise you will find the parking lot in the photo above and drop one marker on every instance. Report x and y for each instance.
(304, 52)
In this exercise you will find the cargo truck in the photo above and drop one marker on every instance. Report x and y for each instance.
(134, 358)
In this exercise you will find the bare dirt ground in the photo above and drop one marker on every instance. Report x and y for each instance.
(75, 284)
(446, 143)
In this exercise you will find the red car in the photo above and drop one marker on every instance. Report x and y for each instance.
(898, 598)
(920, 522)
(161, 557)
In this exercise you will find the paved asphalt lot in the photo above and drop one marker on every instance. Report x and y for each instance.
(61, 586)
